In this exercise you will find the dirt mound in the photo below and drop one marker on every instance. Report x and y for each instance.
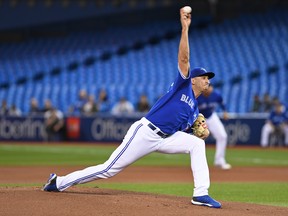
(94, 201)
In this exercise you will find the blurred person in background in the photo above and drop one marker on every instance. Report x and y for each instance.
(47, 105)
(257, 104)
(54, 124)
(274, 101)
(77, 108)
(286, 127)
(207, 103)
(14, 111)
(122, 107)
(4, 108)
(143, 104)
(277, 122)
(103, 101)
(90, 107)
(266, 103)
(34, 107)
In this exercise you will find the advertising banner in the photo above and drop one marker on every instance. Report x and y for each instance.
(241, 131)
(22, 128)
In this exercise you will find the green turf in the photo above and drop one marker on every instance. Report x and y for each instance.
(53, 155)
(89, 155)
(259, 192)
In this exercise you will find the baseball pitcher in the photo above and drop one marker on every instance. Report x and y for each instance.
(166, 129)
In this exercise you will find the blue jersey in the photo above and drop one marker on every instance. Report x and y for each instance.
(177, 109)
(207, 105)
(278, 118)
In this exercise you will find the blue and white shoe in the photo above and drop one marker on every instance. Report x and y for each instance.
(51, 184)
(205, 201)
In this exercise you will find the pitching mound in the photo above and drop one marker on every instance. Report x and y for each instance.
(95, 201)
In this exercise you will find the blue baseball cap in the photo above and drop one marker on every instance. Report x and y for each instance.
(199, 71)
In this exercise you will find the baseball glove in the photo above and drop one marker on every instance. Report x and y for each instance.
(199, 128)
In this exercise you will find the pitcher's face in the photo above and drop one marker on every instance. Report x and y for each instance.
(200, 83)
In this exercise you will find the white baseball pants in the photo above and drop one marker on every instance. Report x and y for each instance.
(267, 129)
(218, 131)
(139, 141)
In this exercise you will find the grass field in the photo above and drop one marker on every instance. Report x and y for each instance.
(259, 192)
(38, 155)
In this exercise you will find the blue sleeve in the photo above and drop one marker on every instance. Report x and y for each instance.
(180, 80)
(271, 116)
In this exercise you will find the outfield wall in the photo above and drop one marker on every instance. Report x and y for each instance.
(241, 130)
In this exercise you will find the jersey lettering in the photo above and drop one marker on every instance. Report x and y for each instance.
(187, 100)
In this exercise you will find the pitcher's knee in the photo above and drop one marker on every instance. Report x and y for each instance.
(197, 144)
(221, 137)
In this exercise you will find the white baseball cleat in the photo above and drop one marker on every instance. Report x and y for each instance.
(224, 166)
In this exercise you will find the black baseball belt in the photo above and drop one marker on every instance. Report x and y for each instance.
(159, 132)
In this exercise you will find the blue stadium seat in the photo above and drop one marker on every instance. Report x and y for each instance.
(235, 47)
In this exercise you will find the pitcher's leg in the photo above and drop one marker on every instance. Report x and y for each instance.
(101, 171)
(132, 148)
(265, 133)
(200, 169)
(286, 135)
(182, 142)
(219, 133)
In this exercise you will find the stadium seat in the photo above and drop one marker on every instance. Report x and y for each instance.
(57, 68)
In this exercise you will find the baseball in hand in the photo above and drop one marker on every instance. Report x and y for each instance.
(187, 9)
